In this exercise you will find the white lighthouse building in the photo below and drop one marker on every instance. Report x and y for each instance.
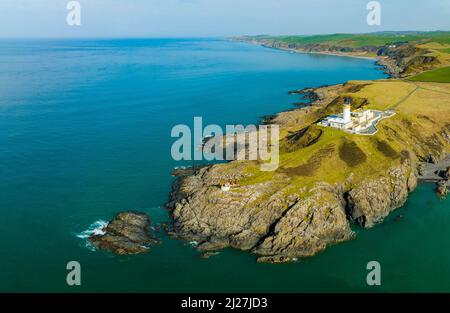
(353, 122)
(341, 121)
(347, 113)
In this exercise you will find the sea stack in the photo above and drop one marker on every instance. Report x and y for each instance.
(127, 233)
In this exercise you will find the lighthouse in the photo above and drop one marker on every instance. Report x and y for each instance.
(347, 114)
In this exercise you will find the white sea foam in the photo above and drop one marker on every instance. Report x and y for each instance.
(96, 228)
(193, 243)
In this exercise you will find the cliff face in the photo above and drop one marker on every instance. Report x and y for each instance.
(276, 224)
(406, 59)
(372, 200)
(317, 47)
(308, 226)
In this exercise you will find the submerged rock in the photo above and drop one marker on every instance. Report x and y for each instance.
(212, 245)
(399, 217)
(207, 255)
(127, 233)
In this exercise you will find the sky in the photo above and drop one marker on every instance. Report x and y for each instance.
(215, 18)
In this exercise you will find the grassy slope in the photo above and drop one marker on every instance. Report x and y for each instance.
(422, 111)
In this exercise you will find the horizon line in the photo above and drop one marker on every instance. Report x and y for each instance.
(211, 37)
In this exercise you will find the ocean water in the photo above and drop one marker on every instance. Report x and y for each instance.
(85, 133)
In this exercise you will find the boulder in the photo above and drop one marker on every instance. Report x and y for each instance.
(442, 188)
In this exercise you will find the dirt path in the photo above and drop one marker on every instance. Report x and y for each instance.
(394, 106)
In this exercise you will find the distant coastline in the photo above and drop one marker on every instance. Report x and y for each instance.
(293, 50)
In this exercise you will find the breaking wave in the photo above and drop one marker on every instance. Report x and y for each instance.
(96, 228)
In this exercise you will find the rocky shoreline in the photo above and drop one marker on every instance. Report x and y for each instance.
(282, 228)
(437, 171)
(398, 60)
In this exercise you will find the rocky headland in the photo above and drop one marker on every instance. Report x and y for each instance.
(277, 223)
(338, 180)
(328, 180)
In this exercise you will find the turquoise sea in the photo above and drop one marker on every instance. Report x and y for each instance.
(85, 133)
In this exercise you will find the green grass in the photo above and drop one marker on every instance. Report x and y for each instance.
(313, 163)
(361, 40)
(350, 153)
(386, 149)
(440, 75)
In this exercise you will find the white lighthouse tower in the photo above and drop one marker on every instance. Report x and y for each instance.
(347, 116)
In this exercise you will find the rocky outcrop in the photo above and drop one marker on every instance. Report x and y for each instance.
(405, 59)
(307, 227)
(308, 94)
(127, 233)
(371, 201)
(275, 222)
(441, 188)
(435, 169)
(203, 212)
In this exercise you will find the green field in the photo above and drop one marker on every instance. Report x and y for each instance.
(361, 40)
(440, 75)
